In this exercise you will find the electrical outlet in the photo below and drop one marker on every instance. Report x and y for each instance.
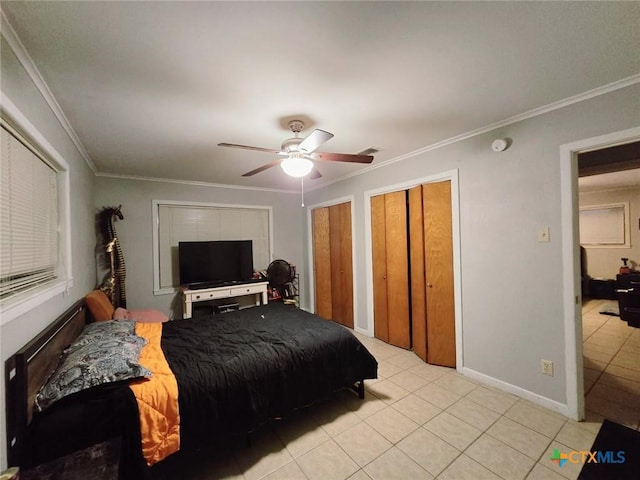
(546, 367)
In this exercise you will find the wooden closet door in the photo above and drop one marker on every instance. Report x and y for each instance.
(346, 263)
(322, 261)
(391, 268)
(379, 260)
(341, 264)
(397, 269)
(332, 262)
(418, 282)
(438, 248)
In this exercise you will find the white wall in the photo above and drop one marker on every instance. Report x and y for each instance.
(512, 290)
(135, 231)
(18, 87)
(605, 262)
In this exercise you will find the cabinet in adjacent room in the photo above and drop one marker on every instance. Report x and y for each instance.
(333, 263)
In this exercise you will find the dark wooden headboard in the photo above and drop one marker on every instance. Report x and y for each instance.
(30, 367)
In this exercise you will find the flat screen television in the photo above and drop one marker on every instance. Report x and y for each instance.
(211, 263)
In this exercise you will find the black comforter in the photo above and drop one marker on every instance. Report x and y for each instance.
(241, 368)
(234, 371)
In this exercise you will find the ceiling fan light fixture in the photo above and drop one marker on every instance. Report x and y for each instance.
(295, 166)
(301, 152)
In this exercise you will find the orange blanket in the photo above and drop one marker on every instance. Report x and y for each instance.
(157, 399)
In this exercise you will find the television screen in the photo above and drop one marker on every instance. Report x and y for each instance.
(215, 262)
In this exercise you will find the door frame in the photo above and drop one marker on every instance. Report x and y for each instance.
(452, 176)
(311, 276)
(572, 296)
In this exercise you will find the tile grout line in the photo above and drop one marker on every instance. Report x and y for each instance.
(619, 349)
(467, 396)
(485, 431)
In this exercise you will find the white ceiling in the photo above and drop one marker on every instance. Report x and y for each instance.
(608, 181)
(151, 88)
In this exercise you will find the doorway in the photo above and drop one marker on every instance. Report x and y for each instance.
(385, 202)
(571, 261)
(609, 185)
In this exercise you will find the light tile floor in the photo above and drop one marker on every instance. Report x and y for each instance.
(611, 352)
(420, 421)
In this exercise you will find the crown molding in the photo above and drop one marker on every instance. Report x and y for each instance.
(192, 183)
(20, 51)
(581, 97)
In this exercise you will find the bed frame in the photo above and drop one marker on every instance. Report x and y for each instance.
(30, 367)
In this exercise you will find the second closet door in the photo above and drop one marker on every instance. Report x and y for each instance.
(412, 247)
(438, 242)
(390, 268)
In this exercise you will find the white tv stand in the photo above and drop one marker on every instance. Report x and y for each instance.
(189, 297)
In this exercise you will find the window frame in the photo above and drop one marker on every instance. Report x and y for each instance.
(18, 125)
(155, 207)
(626, 243)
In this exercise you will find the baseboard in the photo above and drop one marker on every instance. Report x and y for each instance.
(358, 329)
(545, 402)
(363, 331)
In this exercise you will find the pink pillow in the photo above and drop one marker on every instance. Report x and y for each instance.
(142, 316)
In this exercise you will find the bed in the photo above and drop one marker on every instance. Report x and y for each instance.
(234, 371)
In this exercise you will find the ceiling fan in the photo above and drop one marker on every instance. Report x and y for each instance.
(300, 153)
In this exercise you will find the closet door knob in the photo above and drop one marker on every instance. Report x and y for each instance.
(429, 285)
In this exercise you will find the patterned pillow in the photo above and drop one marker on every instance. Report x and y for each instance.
(94, 359)
(99, 332)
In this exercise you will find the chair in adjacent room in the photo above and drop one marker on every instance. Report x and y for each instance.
(629, 303)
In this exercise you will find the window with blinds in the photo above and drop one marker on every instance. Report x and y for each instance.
(28, 218)
(200, 222)
(605, 225)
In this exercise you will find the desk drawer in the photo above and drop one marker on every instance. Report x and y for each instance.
(247, 290)
(195, 297)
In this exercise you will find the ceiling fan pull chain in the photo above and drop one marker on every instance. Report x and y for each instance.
(302, 190)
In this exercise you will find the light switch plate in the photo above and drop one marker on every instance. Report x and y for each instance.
(543, 234)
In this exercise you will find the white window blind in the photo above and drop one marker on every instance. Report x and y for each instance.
(187, 223)
(604, 225)
(28, 218)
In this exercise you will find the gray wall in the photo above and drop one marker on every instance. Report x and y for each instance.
(512, 303)
(135, 231)
(605, 262)
(21, 91)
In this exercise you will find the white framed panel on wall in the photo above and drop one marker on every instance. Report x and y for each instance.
(176, 221)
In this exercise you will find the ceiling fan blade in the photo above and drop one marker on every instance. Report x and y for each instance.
(314, 140)
(262, 168)
(247, 147)
(315, 173)
(342, 157)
